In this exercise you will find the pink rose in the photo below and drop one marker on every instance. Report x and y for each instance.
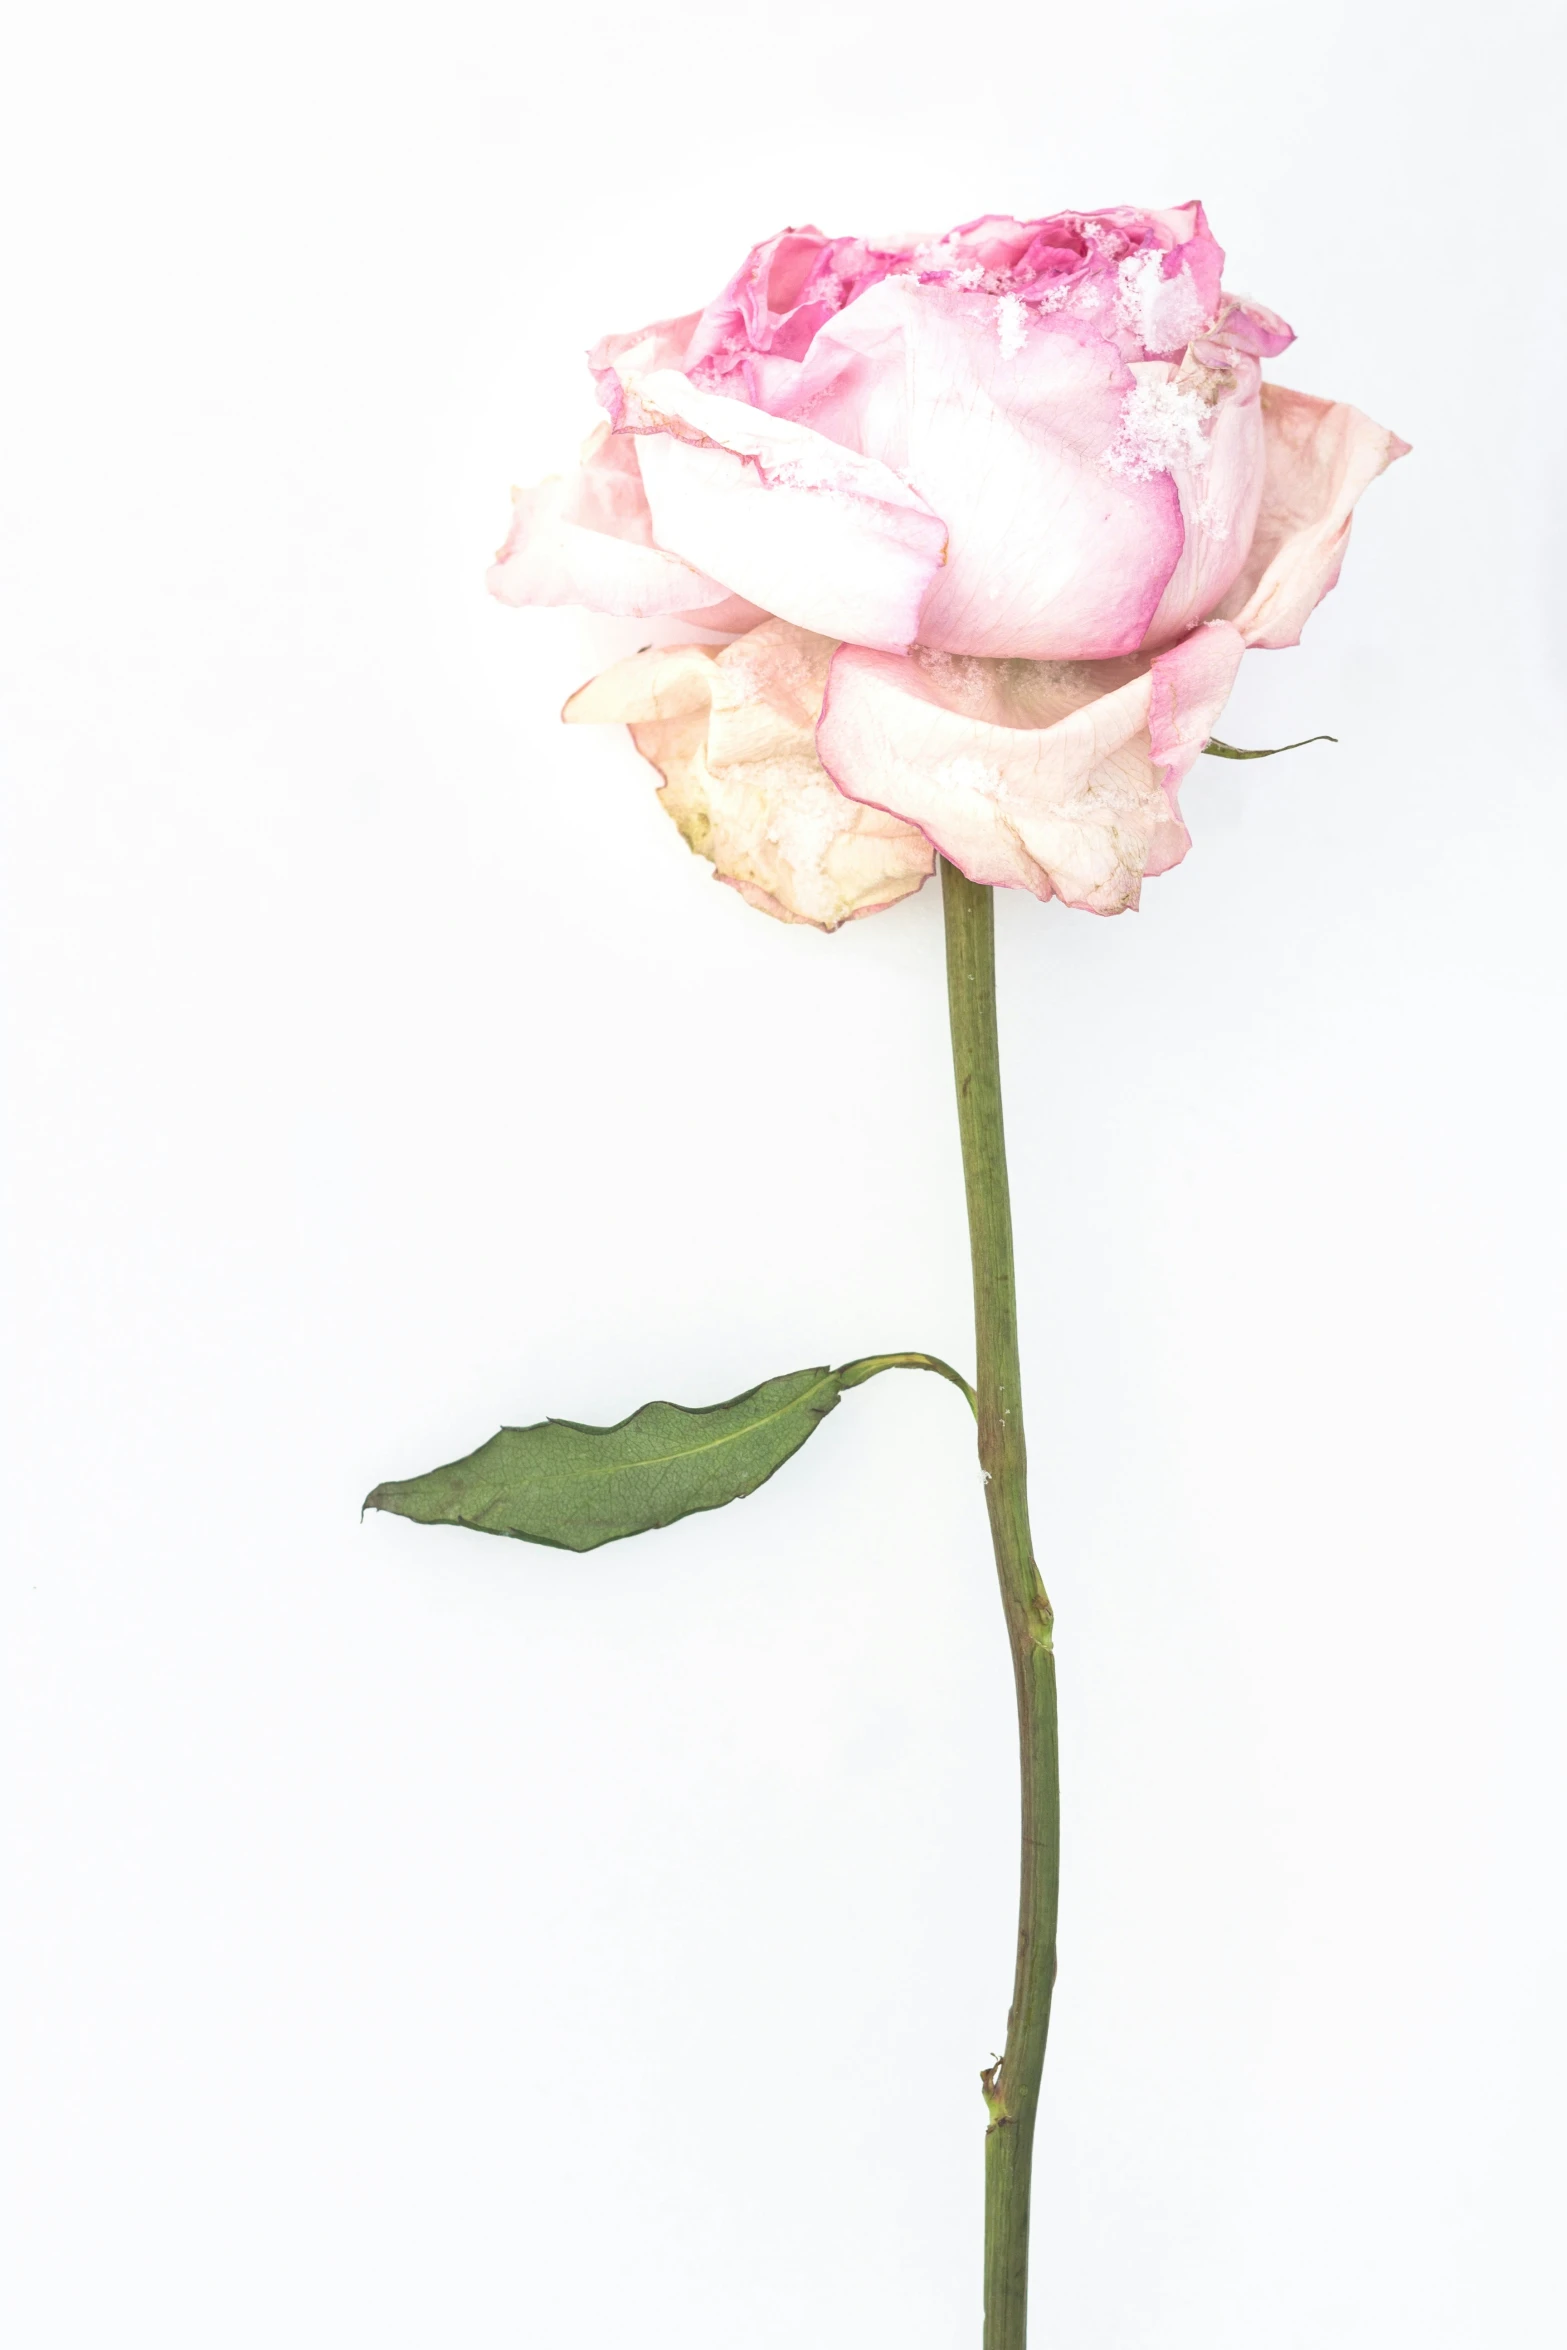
(1025, 475)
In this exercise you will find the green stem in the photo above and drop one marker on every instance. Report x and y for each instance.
(1011, 2084)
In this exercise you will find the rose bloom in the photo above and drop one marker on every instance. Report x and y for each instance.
(989, 519)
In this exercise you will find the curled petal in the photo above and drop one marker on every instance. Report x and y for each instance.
(1320, 456)
(751, 334)
(824, 537)
(1252, 326)
(587, 539)
(732, 732)
(664, 344)
(1055, 777)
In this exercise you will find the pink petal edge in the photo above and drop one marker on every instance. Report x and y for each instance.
(1082, 807)
(1320, 456)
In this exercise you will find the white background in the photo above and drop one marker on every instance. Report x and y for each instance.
(436, 1944)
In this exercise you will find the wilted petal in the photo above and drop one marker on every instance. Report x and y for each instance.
(1320, 456)
(824, 537)
(1007, 423)
(1253, 327)
(732, 732)
(587, 538)
(663, 344)
(1201, 424)
(1055, 777)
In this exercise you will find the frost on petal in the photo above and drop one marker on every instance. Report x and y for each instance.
(732, 732)
(1149, 281)
(826, 538)
(1159, 313)
(1320, 456)
(587, 539)
(1037, 775)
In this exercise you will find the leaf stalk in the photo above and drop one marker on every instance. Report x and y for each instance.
(1217, 750)
(855, 1374)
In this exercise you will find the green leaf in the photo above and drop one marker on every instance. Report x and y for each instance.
(1217, 750)
(575, 1487)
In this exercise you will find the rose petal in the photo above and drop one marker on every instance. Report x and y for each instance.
(1320, 456)
(663, 344)
(1168, 296)
(1147, 281)
(1201, 423)
(1252, 326)
(828, 539)
(1005, 422)
(732, 732)
(1189, 686)
(733, 617)
(1055, 777)
(764, 319)
(588, 539)
(1196, 251)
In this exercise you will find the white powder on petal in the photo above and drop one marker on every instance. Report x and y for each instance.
(804, 818)
(972, 775)
(1163, 313)
(1164, 429)
(963, 678)
(1011, 325)
(1183, 314)
(1139, 279)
